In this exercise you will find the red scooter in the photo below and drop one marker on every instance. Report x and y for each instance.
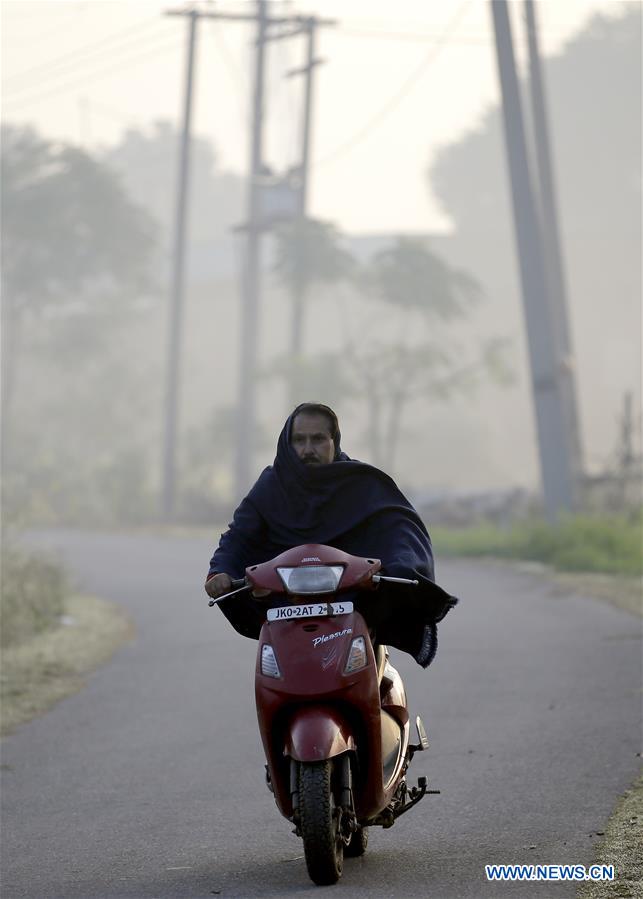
(332, 710)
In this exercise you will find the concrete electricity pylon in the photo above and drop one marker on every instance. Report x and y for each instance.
(566, 368)
(556, 465)
(299, 286)
(258, 221)
(175, 327)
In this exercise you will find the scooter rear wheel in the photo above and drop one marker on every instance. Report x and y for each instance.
(320, 823)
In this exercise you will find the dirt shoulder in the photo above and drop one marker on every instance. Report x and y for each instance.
(621, 847)
(36, 674)
(623, 838)
(624, 593)
(621, 591)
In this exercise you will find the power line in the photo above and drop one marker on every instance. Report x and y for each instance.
(416, 37)
(30, 40)
(70, 60)
(75, 83)
(11, 18)
(480, 38)
(394, 101)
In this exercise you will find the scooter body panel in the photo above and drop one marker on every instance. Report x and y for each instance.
(394, 695)
(317, 732)
(316, 710)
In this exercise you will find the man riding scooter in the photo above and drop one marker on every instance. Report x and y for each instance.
(314, 493)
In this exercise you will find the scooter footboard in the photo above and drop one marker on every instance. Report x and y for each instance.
(318, 732)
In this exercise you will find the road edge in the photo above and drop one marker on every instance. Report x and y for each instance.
(623, 833)
(37, 674)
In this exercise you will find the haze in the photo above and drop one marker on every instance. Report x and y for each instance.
(407, 141)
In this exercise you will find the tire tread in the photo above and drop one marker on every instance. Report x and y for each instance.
(324, 856)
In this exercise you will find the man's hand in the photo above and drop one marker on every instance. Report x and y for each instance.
(218, 584)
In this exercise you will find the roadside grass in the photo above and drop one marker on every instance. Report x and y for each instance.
(50, 637)
(33, 595)
(609, 544)
(51, 665)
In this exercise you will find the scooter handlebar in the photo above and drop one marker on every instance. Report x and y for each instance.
(240, 585)
(377, 578)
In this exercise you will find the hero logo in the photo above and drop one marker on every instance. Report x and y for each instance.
(317, 641)
(311, 559)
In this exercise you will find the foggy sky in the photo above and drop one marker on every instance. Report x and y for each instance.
(384, 105)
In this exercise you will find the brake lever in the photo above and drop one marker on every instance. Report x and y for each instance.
(213, 602)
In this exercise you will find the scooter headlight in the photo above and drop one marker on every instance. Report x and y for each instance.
(311, 579)
(357, 656)
(269, 665)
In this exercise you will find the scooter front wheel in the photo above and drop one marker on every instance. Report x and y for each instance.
(320, 822)
(358, 843)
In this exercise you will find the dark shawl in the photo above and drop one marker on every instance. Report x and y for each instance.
(354, 507)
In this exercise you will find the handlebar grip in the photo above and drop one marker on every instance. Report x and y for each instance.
(238, 582)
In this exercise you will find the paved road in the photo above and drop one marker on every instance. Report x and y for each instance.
(149, 783)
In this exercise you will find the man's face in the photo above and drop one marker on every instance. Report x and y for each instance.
(311, 439)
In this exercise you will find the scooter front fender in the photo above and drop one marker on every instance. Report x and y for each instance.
(318, 732)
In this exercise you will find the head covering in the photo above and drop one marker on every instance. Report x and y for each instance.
(317, 503)
(354, 507)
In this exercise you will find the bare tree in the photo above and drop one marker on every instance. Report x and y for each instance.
(412, 352)
(309, 253)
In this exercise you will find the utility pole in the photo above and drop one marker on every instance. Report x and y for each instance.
(173, 375)
(626, 448)
(628, 469)
(555, 461)
(552, 250)
(248, 346)
(301, 244)
(300, 284)
(256, 222)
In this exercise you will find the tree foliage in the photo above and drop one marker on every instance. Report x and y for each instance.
(593, 95)
(147, 161)
(68, 226)
(596, 141)
(410, 276)
(412, 352)
(398, 346)
(311, 251)
(76, 268)
(320, 375)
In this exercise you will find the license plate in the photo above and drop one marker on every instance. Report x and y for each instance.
(310, 610)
